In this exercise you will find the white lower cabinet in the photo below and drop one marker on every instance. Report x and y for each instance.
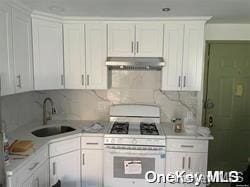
(40, 178)
(35, 173)
(92, 166)
(65, 163)
(188, 156)
(66, 168)
(92, 161)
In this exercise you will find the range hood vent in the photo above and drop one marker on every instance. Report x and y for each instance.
(135, 63)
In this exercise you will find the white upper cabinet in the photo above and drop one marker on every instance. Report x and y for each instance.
(149, 40)
(96, 55)
(183, 53)
(74, 56)
(135, 39)
(121, 39)
(22, 49)
(193, 56)
(173, 55)
(48, 54)
(85, 50)
(6, 52)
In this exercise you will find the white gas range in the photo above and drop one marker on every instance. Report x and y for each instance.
(133, 145)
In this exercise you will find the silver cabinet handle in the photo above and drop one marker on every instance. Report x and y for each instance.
(54, 168)
(132, 47)
(83, 159)
(137, 47)
(62, 79)
(184, 83)
(37, 182)
(189, 162)
(187, 146)
(179, 81)
(88, 80)
(33, 167)
(19, 81)
(92, 143)
(82, 79)
(183, 162)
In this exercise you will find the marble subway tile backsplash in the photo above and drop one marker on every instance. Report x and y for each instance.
(129, 87)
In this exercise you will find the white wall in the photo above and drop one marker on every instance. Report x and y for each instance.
(227, 32)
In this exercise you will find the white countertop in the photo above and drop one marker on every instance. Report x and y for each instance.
(171, 134)
(24, 133)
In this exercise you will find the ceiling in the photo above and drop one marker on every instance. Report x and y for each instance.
(223, 11)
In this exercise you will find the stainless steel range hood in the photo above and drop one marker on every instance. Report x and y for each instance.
(135, 63)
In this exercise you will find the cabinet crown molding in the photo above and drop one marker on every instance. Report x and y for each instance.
(40, 14)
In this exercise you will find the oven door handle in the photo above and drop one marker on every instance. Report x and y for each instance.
(133, 152)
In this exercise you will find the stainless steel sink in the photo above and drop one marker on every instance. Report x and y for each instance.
(50, 131)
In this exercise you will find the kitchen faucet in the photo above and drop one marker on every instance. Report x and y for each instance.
(53, 110)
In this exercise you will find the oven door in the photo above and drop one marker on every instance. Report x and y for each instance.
(123, 167)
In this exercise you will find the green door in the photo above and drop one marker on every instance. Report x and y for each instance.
(227, 110)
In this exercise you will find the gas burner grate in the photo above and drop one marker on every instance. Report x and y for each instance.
(148, 129)
(120, 128)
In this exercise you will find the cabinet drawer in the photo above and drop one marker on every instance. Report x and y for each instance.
(92, 142)
(64, 146)
(26, 171)
(187, 145)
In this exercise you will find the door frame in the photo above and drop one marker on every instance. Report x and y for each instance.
(206, 68)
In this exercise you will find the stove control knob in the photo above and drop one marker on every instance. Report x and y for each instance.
(134, 141)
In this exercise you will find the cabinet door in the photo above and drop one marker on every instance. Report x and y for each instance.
(197, 162)
(74, 53)
(6, 52)
(149, 40)
(193, 56)
(173, 53)
(41, 176)
(96, 55)
(48, 54)
(92, 168)
(175, 161)
(121, 38)
(27, 183)
(66, 168)
(23, 66)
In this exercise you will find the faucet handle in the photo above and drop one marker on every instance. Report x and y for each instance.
(53, 110)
